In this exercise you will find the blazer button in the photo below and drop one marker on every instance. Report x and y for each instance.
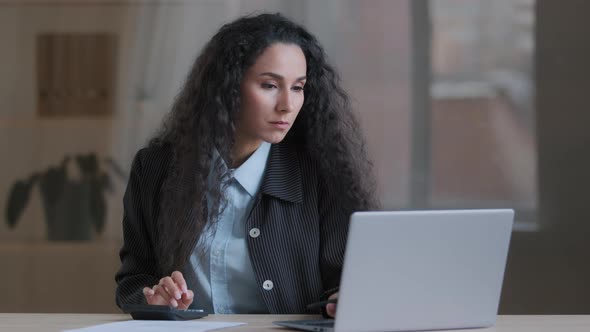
(254, 232)
(267, 285)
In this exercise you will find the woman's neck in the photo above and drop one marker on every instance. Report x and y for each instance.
(241, 151)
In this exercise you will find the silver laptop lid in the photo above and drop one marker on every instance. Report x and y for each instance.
(421, 270)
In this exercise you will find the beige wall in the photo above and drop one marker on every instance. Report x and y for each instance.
(547, 271)
(44, 276)
(35, 143)
(154, 54)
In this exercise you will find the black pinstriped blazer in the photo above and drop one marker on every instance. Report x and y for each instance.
(300, 248)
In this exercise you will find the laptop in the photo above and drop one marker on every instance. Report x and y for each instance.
(420, 270)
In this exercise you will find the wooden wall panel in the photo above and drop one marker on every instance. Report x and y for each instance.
(76, 74)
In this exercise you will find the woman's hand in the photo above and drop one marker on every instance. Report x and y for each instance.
(170, 291)
(331, 307)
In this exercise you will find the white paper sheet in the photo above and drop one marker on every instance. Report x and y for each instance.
(158, 326)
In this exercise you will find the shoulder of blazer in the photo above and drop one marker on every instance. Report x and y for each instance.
(156, 154)
(153, 163)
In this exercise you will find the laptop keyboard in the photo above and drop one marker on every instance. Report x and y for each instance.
(322, 323)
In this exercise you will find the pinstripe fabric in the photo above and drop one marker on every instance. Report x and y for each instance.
(302, 227)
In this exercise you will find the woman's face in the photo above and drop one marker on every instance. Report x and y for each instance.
(271, 95)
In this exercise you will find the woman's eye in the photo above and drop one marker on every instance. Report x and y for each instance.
(268, 86)
(298, 88)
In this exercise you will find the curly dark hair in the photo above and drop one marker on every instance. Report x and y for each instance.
(202, 116)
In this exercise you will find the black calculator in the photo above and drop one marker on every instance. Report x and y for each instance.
(161, 312)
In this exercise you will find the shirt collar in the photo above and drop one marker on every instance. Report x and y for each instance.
(279, 175)
(251, 172)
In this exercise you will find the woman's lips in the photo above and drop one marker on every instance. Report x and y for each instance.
(280, 124)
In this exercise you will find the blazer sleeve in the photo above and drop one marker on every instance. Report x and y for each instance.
(138, 261)
(333, 234)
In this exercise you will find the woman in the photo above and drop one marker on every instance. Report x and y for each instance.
(241, 203)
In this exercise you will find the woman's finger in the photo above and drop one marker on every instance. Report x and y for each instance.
(186, 300)
(171, 287)
(148, 291)
(331, 309)
(168, 300)
(178, 278)
(152, 298)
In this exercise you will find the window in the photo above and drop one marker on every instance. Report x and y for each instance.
(478, 141)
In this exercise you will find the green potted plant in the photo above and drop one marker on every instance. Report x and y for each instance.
(72, 206)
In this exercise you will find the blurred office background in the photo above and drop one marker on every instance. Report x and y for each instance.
(464, 103)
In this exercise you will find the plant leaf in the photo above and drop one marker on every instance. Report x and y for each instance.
(88, 164)
(52, 183)
(17, 200)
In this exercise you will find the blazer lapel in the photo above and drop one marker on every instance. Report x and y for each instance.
(282, 178)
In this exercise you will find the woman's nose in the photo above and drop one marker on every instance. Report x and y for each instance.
(285, 102)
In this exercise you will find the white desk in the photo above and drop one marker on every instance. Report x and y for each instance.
(59, 322)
